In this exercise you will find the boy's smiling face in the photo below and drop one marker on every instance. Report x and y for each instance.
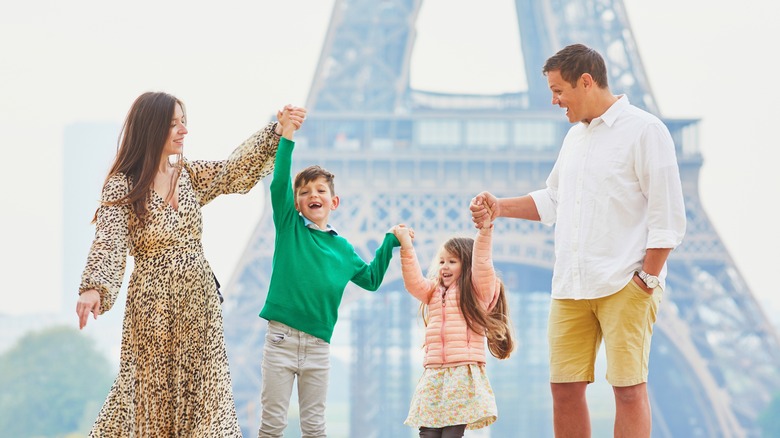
(315, 201)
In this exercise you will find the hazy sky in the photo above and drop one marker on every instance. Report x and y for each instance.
(235, 62)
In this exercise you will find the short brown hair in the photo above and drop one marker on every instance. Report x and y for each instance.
(311, 173)
(575, 60)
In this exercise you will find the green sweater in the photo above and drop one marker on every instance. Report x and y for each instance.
(311, 268)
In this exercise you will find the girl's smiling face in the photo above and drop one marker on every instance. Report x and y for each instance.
(449, 268)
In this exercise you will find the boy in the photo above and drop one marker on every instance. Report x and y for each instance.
(312, 265)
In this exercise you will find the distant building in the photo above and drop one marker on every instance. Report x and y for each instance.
(88, 150)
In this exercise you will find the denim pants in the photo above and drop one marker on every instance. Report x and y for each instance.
(287, 354)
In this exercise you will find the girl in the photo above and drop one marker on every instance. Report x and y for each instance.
(463, 302)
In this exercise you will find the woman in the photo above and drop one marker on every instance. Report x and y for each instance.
(173, 378)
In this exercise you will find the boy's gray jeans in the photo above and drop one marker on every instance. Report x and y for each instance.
(289, 353)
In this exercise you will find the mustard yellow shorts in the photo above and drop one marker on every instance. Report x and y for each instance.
(624, 320)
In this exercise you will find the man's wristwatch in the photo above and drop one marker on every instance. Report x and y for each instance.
(650, 280)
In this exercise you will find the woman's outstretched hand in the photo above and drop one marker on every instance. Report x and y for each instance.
(290, 119)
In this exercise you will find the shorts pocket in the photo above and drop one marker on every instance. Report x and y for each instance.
(636, 288)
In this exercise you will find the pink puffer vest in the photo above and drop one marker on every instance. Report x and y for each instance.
(448, 340)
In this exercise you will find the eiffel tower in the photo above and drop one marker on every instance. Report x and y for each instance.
(715, 356)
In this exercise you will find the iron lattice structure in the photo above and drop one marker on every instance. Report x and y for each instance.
(413, 156)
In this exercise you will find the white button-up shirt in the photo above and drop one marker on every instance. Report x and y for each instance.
(613, 192)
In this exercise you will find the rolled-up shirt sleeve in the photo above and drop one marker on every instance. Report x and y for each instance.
(659, 179)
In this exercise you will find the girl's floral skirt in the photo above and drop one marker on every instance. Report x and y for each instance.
(451, 396)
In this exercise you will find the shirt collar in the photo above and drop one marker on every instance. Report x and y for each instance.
(612, 113)
(313, 226)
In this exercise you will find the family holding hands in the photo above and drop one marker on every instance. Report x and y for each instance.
(614, 195)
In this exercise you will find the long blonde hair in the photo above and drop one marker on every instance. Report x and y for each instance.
(494, 323)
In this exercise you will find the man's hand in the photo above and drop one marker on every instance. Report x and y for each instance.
(484, 209)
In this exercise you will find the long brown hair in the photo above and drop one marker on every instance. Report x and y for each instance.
(141, 142)
(493, 323)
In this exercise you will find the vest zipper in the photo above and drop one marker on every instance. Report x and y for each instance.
(443, 323)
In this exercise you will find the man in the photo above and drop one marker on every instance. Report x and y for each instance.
(615, 196)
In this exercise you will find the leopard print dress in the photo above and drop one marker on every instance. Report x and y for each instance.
(173, 378)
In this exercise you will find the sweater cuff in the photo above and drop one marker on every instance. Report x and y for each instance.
(393, 240)
(286, 142)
